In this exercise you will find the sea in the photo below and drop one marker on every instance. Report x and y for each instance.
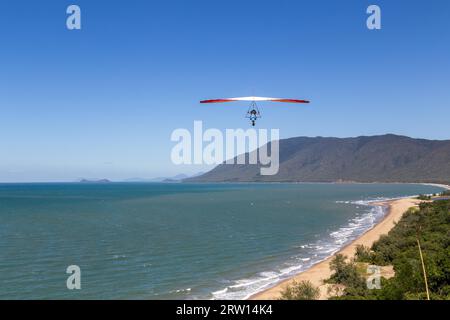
(176, 241)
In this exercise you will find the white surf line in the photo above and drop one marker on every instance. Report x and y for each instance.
(349, 239)
(445, 186)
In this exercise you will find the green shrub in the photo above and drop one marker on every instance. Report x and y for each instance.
(303, 290)
(346, 273)
(363, 254)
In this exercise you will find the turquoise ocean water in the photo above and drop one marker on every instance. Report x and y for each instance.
(175, 241)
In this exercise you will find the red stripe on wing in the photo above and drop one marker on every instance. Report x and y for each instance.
(216, 101)
(291, 100)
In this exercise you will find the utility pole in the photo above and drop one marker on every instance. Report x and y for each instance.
(423, 266)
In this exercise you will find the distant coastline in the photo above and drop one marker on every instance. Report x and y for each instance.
(94, 181)
(439, 185)
(445, 186)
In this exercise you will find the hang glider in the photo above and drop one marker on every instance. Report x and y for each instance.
(253, 112)
(255, 99)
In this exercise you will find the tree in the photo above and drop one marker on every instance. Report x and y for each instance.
(303, 290)
(346, 273)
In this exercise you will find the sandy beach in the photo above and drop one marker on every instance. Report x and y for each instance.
(321, 271)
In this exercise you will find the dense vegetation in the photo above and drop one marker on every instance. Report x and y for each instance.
(431, 226)
(424, 197)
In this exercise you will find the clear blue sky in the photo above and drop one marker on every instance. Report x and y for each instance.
(103, 101)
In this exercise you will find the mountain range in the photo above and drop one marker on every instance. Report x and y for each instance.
(385, 158)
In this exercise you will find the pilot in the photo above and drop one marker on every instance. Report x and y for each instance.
(253, 116)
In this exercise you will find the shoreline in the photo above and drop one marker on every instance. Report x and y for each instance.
(321, 271)
(444, 186)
